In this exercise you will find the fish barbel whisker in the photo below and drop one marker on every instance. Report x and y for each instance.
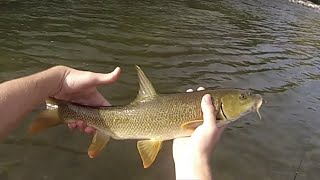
(258, 113)
(257, 107)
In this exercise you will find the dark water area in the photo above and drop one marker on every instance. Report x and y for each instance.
(271, 47)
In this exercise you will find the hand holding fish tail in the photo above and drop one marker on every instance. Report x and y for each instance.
(80, 87)
(192, 154)
(21, 96)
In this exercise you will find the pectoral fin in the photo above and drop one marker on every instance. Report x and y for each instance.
(99, 141)
(148, 150)
(191, 125)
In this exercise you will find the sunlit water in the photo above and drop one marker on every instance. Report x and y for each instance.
(271, 47)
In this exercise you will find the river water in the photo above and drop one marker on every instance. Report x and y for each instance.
(271, 47)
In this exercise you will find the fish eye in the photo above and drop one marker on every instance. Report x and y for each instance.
(242, 96)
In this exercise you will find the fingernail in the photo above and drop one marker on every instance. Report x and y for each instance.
(115, 69)
(208, 98)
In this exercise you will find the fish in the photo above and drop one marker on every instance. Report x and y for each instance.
(150, 118)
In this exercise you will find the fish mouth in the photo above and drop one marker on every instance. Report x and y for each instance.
(257, 105)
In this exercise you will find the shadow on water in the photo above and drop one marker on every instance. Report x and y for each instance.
(270, 47)
(41, 143)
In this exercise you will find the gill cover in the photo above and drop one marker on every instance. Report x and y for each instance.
(239, 103)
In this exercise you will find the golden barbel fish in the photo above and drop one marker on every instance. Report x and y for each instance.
(151, 118)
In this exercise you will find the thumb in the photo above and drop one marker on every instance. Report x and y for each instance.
(108, 78)
(86, 79)
(208, 110)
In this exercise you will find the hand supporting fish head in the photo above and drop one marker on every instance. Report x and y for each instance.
(237, 103)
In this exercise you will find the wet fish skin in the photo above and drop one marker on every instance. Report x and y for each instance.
(161, 117)
(151, 118)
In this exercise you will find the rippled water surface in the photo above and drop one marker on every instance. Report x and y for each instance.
(271, 47)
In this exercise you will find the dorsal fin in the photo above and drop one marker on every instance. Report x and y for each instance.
(146, 90)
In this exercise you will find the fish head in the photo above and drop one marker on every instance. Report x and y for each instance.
(237, 103)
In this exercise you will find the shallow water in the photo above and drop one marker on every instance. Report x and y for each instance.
(271, 47)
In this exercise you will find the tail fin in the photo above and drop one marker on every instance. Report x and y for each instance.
(46, 119)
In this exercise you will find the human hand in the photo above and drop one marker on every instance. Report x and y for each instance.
(192, 154)
(81, 87)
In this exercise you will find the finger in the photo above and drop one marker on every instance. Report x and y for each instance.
(208, 110)
(94, 99)
(81, 125)
(189, 90)
(221, 129)
(72, 125)
(219, 132)
(106, 78)
(84, 79)
(89, 130)
(100, 100)
(200, 88)
(91, 79)
(181, 140)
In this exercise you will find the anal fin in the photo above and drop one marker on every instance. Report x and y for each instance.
(99, 141)
(148, 150)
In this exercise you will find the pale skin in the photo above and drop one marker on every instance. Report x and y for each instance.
(192, 154)
(20, 96)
